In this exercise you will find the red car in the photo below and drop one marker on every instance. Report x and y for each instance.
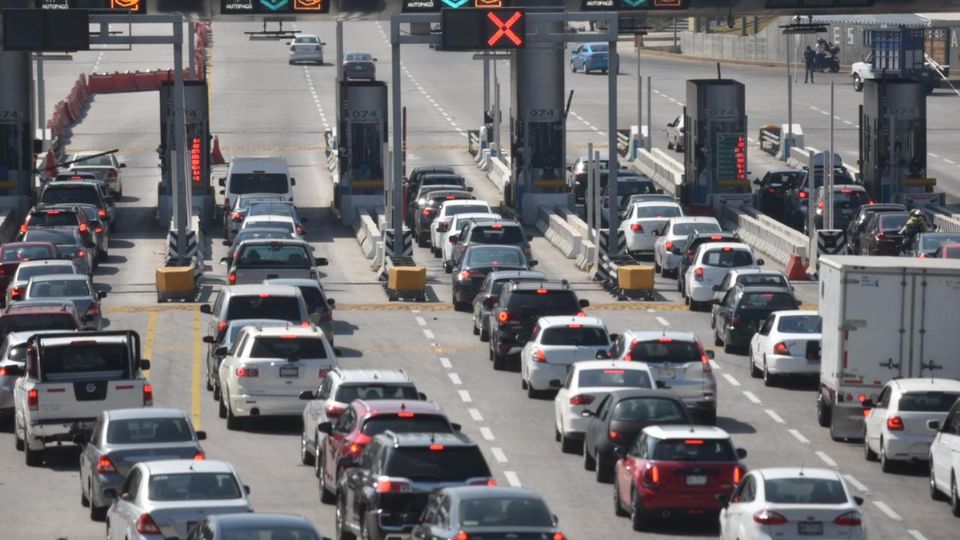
(14, 253)
(948, 251)
(29, 318)
(364, 419)
(676, 471)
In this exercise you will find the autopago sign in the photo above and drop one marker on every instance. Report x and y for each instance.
(632, 5)
(433, 6)
(273, 7)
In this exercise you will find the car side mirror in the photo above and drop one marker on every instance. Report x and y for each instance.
(555, 383)
(225, 260)
(858, 499)
(661, 385)
(867, 404)
(456, 427)
(101, 294)
(331, 302)
(227, 243)
(223, 191)
(532, 262)
(246, 489)
(421, 396)
(201, 435)
(304, 220)
(614, 338)
(722, 498)
(322, 261)
(716, 288)
(470, 189)
(583, 302)
(620, 451)
(489, 301)
(205, 308)
(602, 355)
(307, 395)
(144, 364)
(288, 43)
(741, 453)
(222, 181)
(933, 425)
(325, 427)
(208, 339)
(756, 181)
(220, 351)
(79, 439)
(710, 354)
(122, 166)
(293, 181)
(760, 262)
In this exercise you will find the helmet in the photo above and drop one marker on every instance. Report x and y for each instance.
(916, 213)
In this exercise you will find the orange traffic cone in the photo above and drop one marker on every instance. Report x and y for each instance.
(50, 165)
(795, 269)
(216, 155)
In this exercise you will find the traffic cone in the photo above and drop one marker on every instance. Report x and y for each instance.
(50, 164)
(795, 269)
(216, 155)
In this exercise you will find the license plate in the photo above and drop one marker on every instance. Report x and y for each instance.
(668, 373)
(696, 480)
(86, 425)
(289, 372)
(810, 528)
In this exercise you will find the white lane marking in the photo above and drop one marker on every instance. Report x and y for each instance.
(421, 321)
(714, 365)
(512, 478)
(835, 117)
(775, 416)
(414, 311)
(662, 321)
(825, 458)
(950, 161)
(445, 362)
(887, 510)
(475, 414)
(455, 379)
(486, 433)
(429, 334)
(916, 534)
(856, 483)
(465, 396)
(730, 379)
(753, 398)
(498, 454)
(931, 154)
(847, 122)
(798, 436)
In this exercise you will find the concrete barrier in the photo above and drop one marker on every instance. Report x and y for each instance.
(367, 233)
(662, 169)
(498, 173)
(944, 219)
(8, 224)
(773, 239)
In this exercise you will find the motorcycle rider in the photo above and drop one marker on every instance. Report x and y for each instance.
(914, 225)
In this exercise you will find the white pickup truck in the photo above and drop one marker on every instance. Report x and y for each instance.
(257, 260)
(70, 379)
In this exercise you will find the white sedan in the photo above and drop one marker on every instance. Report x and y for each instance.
(788, 343)
(668, 248)
(558, 342)
(643, 219)
(306, 48)
(586, 383)
(710, 265)
(452, 235)
(792, 504)
(441, 224)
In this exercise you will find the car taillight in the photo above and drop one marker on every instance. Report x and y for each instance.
(766, 517)
(704, 359)
(83, 227)
(615, 436)
(635, 227)
(881, 236)
(81, 253)
(895, 423)
(386, 485)
(104, 465)
(112, 173)
(17, 292)
(582, 399)
(427, 212)
(539, 355)
(629, 356)
(503, 317)
(334, 411)
(237, 216)
(232, 278)
(300, 230)
(102, 213)
(226, 203)
(23, 228)
(98, 230)
(689, 255)
(698, 274)
(849, 519)
(462, 535)
(651, 476)
(147, 395)
(33, 399)
(146, 525)
(221, 325)
(781, 348)
(464, 275)
(93, 310)
(559, 536)
(668, 245)
(199, 455)
(803, 195)
(246, 372)
(737, 474)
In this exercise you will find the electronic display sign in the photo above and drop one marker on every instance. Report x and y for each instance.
(274, 7)
(476, 29)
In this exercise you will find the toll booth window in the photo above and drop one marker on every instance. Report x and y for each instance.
(546, 148)
(241, 183)
(367, 152)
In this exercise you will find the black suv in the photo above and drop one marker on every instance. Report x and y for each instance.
(695, 240)
(516, 313)
(384, 495)
(743, 309)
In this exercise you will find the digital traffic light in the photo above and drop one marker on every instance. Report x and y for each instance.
(483, 29)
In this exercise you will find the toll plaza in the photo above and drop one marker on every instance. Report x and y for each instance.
(198, 138)
(361, 154)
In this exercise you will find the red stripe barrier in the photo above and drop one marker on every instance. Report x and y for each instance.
(146, 80)
(125, 81)
(101, 83)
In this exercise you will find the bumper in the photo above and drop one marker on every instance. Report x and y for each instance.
(791, 365)
(592, 65)
(465, 293)
(268, 404)
(670, 261)
(101, 483)
(573, 425)
(907, 447)
(59, 429)
(508, 345)
(638, 242)
(539, 375)
(306, 57)
(739, 337)
(700, 291)
(682, 503)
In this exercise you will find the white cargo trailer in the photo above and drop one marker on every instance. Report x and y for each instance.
(883, 318)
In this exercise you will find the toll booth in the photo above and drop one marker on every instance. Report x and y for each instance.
(537, 129)
(363, 136)
(893, 142)
(16, 130)
(715, 143)
(197, 144)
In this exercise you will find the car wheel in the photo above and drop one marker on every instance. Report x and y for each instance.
(233, 422)
(954, 496)
(568, 446)
(617, 507)
(573, 67)
(209, 382)
(824, 415)
(716, 336)
(222, 409)
(18, 440)
(709, 417)
(603, 469)
(638, 516)
(84, 501)
(869, 454)
(556, 434)
(669, 145)
(754, 370)
(476, 331)
(216, 392)
(588, 462)
(33, 458)
(342, 533)
(484, 335)
(499, 361)
(523, 384)
(886, 464)
(364, 530)
(326, 496)
(934, 492)
(306, 458)
(768, 379)
(857, 83)
(656, 266)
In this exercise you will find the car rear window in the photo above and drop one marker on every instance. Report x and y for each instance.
(25, 273)
(598, 48)
(850, 198)
(63, 195)
(549, 302)
(769, 280)
(928, 401)
(58, 288)
(23, 322)
(892, 222)
(467, 209)
(494, 257)
(727, 258)
(768, 300)
(625, 189)
(241, 183)
(804, 491)
(665, 350)
(784, 179)
(81, 357)
(800, 324)
(148, 430)
(271, 208)
(658, 211)
(292, 347)
(267, 233)
(274, 254)
(349, 392)
(932, 242)
(694, 449)
(99, 161)
(316, 303)
(575, 335)
(683, 229)
(449, 464)
(614, 377)
(488, 234)
(56, 218)
(26, 253)
(193, 487)
(412, 423)
(285, 308)
(657, 410)
(504, 512)
(279, 223)
(253, 531)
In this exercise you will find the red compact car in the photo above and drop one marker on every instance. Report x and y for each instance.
(676, 471)
(14, 253)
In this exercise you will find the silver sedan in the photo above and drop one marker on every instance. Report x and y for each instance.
(76, 288)
(306, 48)
(359, 66)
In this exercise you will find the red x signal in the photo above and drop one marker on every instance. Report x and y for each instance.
(505, 29)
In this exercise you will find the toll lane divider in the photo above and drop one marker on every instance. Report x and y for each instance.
(768, 236)
(498, 173)
(554, 226)
(367, 233)
(665, 171)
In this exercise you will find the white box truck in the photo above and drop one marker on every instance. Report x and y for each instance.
(883, 318)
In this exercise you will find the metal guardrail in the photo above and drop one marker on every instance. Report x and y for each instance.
(945, 220)
(768, 236)
(623, 142)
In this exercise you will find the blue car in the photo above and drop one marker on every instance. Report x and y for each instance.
(589, 57)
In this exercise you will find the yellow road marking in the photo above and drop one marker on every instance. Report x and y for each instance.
(148, 343)
(195, 379)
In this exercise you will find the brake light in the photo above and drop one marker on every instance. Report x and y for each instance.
(704, 359)
(542, 291)
(386, 485)
(33, 399)
(615, 435)
(716, 238)
(237, 216)
(651, 476)
(464, 275)
(668, 245)
(112, 173)
(53, 212)
(147, 395)
(4, 372)
(766, 517)
(629, 356)
(98, 230)
(698, 274)
(781, 348)
(334, 411)
(102, 213)
(735, 321)
(846, 190)
(849, 519)
(246, 372)
(635, 227)
(23, 228)
(693, 442)
(737, 474)
(462, 535)
(81, 253)
(539, 355)
(83, 227)
(665, 340)
(881, 235)
(354, 449)
(803, 195)
(582, 399)
(232, 278)
(104, 465)
(436, 448)
(17, 292)
(300, 230)
(405, 414)
(427, 212)
(895, 423)
(821, 205)
(497, 226)
(503, 317)
(559, 536)
(146, 525)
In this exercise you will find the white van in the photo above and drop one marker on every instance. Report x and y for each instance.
(268, 174)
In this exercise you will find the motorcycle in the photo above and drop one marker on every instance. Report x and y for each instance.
(826, 59)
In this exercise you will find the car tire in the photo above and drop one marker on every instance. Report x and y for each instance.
(484, 336)
(340, 527)
(857, 83)
(869, 454)
(33, 458)
(954, 496)
(326, 496)
(476, 331)
(717, 342)
(533, 393)
(234, 423)
(216, 392)
(824, 414)
(755, 372)
(306, 458)
(222, 409)
(768, 378)
(887, 465)
(709, 417)
(18, 440)
(568, 446)
(935, 493)
(523, 384)
(573, 67)
(499, 362)
(603, 470)
(669, 144)
(638, 516)
(617, 507)
(589, 463)
(556, 434)
(84, 501)
(209, 383)
(656, 267)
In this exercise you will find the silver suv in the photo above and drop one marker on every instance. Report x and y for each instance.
(679, 363)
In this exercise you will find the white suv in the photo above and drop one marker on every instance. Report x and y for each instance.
(268, 368)
(710, 265)
(557, 343)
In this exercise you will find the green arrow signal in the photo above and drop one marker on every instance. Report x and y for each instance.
(274, 5)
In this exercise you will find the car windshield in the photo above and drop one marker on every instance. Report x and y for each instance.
(665, 350)
(349, 392)
(575, 335)
(804, 491)
(258, 183)
(614, 377)
(236, 328)
(271, 209)
(768, 301)
(627, 188)
(50, 288)
(57, 194)
(274, 254)
(504, 512)
(928, 401)
(26, 253)
(249, 531)
(930, 242)
(448, 464)
(658, 211)
(406, 423)
(466, 209)
(291, 347)
(83, 356)
(193, 487)
(800, 324)
(694, 449)
(683, 229)
(758, 280)
(24, 273)
(148, 430)
(891, 222)
(727, 258)
(658, 410)
(285, 308)
(493, 257)
(23, 322)
(497, 285)
(493, 234)
(353, 57)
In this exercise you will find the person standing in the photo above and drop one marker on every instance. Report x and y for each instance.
(808, 60)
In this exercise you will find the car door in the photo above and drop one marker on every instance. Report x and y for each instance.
(576, 57)
(427, 529)
(724, 309)
(738, 507)
(332, 444)
(596, 425)
(873, 424)
(90, 453)
(313, 410)
(949, 448)
(125, 505)
(563, 397)
(759, 342)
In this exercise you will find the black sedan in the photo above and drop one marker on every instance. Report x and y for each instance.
(856, 225)
(486, 512)
(427, 209)
(477, 262)
(743, 309)
(772, 189)
(881, 234)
